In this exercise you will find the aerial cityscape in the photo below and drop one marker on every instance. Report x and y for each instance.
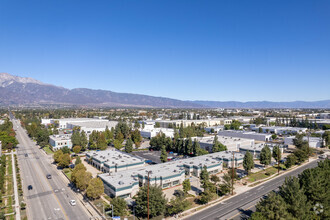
(192, 110)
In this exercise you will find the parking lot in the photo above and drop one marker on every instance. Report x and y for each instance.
(153, 156)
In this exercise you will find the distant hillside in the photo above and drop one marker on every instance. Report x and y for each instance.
(264, 104)
(26, 91)
(23, 91)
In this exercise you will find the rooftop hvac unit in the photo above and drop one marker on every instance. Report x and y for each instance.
(121, 183)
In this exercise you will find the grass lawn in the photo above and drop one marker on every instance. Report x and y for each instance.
(68, 173)
(261, 174)
(48, 150)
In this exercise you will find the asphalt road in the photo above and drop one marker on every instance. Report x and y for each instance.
(243, 204)
(49, 198)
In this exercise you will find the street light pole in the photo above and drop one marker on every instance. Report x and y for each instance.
(148, 192)
(232, 174)
(308, 145)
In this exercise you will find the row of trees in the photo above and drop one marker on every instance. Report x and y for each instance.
(178, 145)
(305, 197)
(7, 135)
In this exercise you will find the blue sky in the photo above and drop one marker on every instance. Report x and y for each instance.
(276, 50)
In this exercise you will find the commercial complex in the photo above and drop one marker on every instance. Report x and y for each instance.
(126, 184)
(90, 126)
(246, 134)
(314, 142)
(232, 143)
(150, 133)
(112, 160)
(256, 149)
(281, 130)
(186, 123)
(59, 141)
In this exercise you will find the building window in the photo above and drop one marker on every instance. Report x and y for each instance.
(176, 182)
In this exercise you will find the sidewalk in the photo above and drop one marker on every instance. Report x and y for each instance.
(17, 206)
(190, 212)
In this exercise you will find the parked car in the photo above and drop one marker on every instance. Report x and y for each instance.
(30, 187)
(26, 155)
(73, 202)
(49, 176)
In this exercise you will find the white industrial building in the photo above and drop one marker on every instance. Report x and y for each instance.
(150, 133)
(90, 126)
(59, 141)
(281, 130)
(314, 142)
(127, 183)
(214, 129)
(67, 123)
(246, 134)
(112, 160)
(186, 123)
(256, 149)
(232, 143)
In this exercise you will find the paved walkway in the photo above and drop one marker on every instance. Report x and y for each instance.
(17, 206)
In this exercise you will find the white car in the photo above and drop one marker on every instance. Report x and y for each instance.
(73, 202)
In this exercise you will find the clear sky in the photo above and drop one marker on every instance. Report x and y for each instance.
(248, 50)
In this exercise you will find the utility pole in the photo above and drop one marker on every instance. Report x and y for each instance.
(232, 174)
(308, 144)
(278, 160)
(148, 193)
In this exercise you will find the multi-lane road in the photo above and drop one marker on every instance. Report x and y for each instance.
(242, 204)
(49, 198)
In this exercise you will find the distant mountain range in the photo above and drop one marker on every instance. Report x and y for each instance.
(23, 91)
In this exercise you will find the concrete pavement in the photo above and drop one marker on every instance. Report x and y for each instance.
(49, 198)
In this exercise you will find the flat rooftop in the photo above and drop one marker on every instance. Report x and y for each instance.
(60, 137)
(96, 124)
(222, 139)
(114, 157)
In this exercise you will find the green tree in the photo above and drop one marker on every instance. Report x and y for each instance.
(290, 161)
(82, 179)
(163, 155)
(215, 178)
(136, 137)
(76, 149)
(65, 160)
(157, 201)
(204, 176)
(265, 156)
(188, 146)
(66, 150)
(217, 146)
(197, 148)
(226, 186)
(295, 198)
(277, 153)
(186, 185)
(57, 156)
(248, 162)
(129, 146)
(235, 125)
(177, 205)
(117, 144)
(206, 196)
(78, 167)
(95, 188)
(78, 161)
(119, 206)
(273, 207)
(326, 138)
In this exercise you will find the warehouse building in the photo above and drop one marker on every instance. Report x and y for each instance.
(150, 133)
(232, 143)
(314, 142)
(281, 130)
(256, 149)
(89, 126)
(246, 134)
(112, 161)
(63, 123)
